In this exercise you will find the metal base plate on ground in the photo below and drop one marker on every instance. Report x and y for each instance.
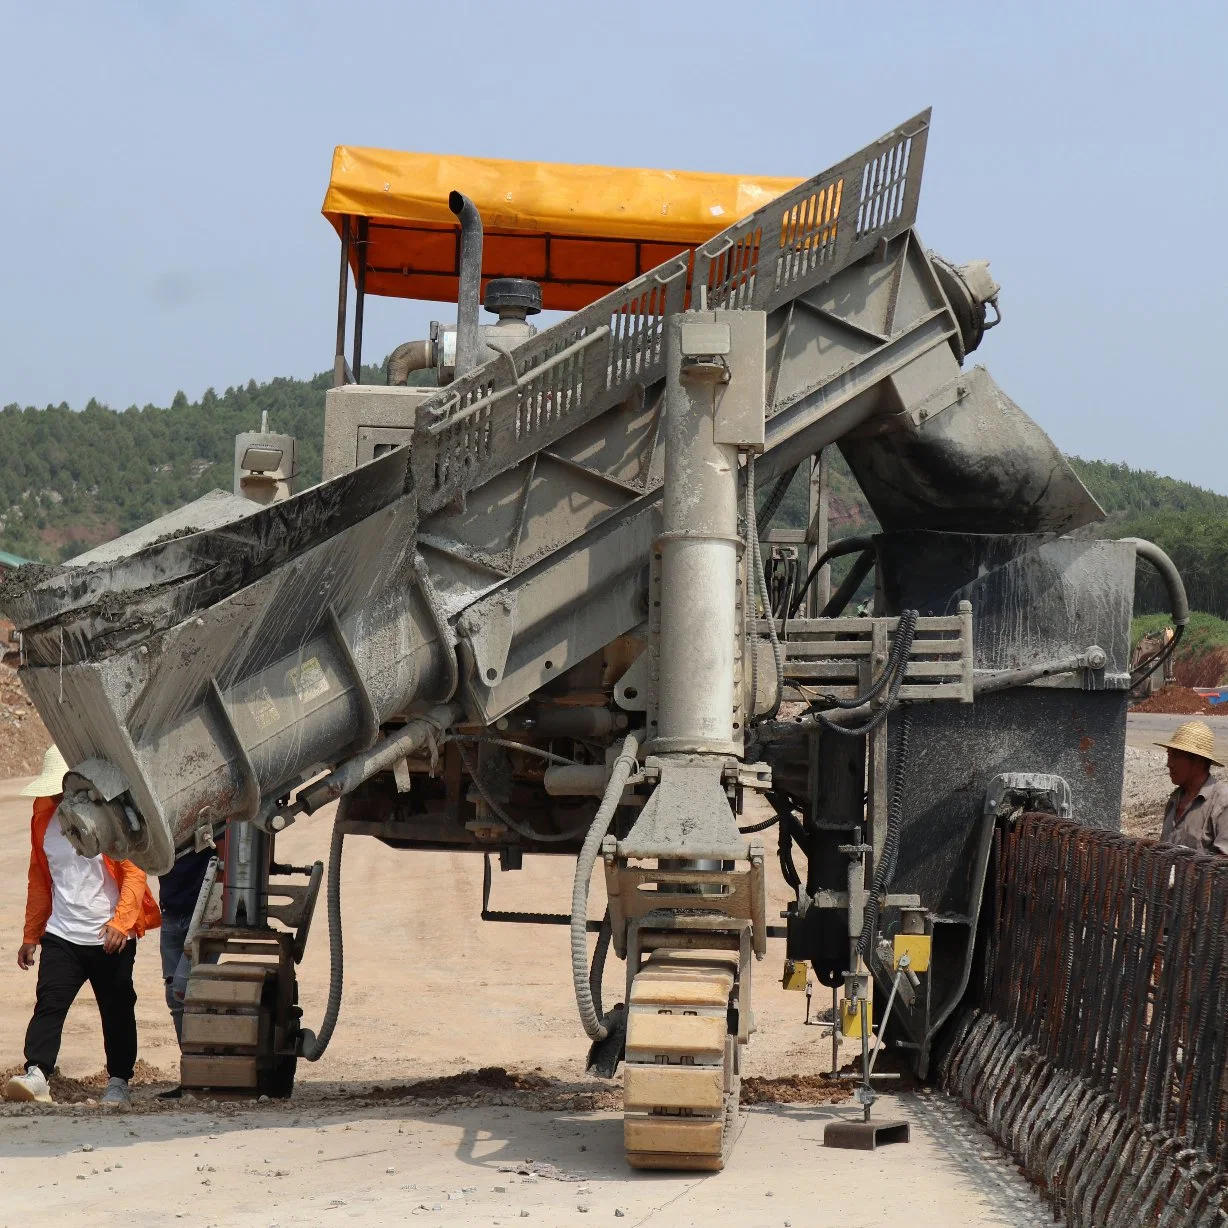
(864, 1135)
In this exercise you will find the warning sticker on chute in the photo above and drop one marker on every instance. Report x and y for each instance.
(263, 709)
(308, 680)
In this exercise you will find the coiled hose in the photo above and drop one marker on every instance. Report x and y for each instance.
(884, 872)
(900, 649)
(759, 585)
(897, 662)
(312, 1044)
(587, 999)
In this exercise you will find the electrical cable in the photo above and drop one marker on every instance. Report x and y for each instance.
(313, 1044)
(884, 871)
(587, 1002)
(897, 658)
(511, 744)
(754, 827)
(897, 681)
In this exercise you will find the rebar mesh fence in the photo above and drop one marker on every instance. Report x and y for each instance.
(1097, 1051)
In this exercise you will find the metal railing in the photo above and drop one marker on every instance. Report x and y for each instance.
(1098, 1055)
(523, 401)
(805, 237)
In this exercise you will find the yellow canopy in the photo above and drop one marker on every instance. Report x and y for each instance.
(580, 231)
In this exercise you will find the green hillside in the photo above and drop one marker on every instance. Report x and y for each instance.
(73, 479)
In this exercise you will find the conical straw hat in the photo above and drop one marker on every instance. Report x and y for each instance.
(1195, 738)
(51, 781)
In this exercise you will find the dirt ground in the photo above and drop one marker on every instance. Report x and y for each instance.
(432, 993)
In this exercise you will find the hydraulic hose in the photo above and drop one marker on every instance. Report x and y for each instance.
(846, 545)
(759, 584)
(784, 846)
(597, 971)
(1178, 604)
(313, 1044)
(586, 1000)
(852, 582)
(884, 871)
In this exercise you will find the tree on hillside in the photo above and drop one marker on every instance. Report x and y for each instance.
(73, 479)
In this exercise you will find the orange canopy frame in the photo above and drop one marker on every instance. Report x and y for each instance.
(579, 231)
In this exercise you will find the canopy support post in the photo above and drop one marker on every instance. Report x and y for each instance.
(339, 369)
(360, 287)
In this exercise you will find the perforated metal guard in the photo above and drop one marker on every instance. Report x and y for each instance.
(516, 405)
(806, 236)
(835, 656)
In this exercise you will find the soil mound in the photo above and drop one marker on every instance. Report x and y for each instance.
(80, 1091)
(796, 1089)
(23, 736)
(1182, 700)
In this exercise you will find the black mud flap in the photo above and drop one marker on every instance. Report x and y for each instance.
(604, 1055)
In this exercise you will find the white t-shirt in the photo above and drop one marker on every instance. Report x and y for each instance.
(83, 893)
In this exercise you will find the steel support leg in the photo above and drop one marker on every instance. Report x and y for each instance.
(245, 885)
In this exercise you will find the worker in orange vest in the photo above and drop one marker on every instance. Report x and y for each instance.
(86, 913)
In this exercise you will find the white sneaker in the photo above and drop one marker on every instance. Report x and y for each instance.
(116, 1095)
(32, 1085)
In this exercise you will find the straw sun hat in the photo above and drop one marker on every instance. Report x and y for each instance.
(1195, 738)
(51, 781)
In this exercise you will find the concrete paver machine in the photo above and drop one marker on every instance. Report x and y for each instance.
(527, 610)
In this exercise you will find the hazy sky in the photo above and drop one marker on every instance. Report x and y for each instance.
(164, 164)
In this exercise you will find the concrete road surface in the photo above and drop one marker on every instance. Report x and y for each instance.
(1144, 729)
(469, 1165)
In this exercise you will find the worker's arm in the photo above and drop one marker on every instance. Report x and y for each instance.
(131, 880)
(38, 899)
(1217, 819)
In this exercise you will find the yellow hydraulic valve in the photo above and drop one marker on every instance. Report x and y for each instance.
(794, 976)
(850, 1018)
(916, 947)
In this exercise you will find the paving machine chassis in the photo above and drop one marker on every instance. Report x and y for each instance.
(526, 610)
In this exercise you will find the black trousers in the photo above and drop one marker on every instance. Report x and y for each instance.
(63, 968)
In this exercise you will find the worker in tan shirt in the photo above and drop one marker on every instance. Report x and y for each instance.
(1197, 812)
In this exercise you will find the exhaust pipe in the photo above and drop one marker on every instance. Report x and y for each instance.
(469, 294)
